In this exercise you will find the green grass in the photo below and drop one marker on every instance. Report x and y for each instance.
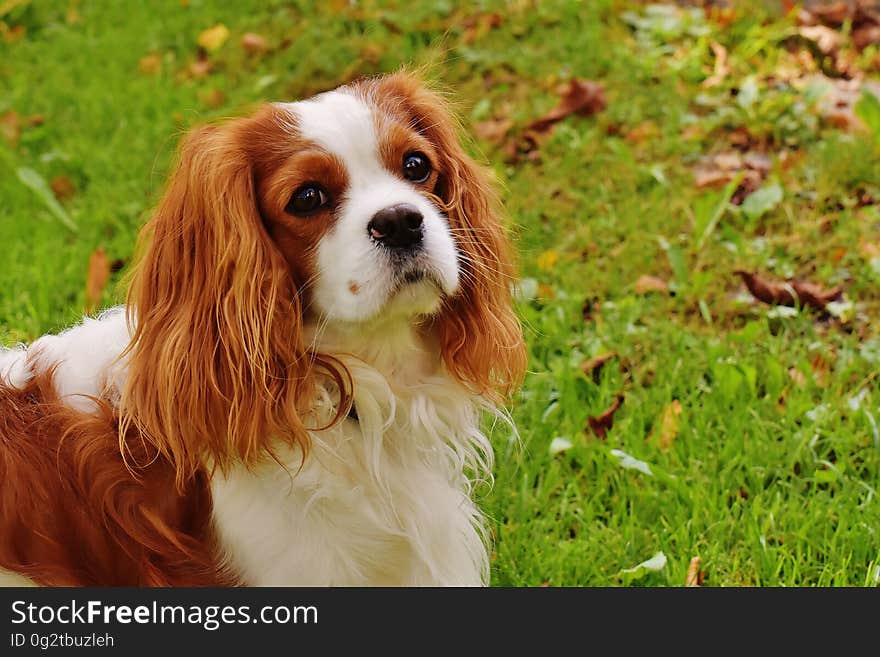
(772, 476)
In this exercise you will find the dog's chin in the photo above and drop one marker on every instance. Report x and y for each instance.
(414, 294)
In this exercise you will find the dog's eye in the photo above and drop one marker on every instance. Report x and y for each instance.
(306, 200)
(416, 167)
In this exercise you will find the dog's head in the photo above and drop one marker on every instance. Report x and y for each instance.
(356, 206)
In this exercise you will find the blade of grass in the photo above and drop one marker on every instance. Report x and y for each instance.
(38, 185)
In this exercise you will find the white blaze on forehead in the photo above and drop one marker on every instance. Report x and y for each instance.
(342, 124)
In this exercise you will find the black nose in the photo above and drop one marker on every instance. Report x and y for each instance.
(397, 227)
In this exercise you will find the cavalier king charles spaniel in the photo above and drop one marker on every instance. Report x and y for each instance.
(318, 322)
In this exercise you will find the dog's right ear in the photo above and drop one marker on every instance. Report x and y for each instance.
(216, 365)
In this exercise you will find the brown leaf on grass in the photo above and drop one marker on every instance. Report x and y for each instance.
(670, 421)
(214, 37)
(201, 67)
(740, 137)
(493, 130)
(583, 97)
(591, 310)
(601, 425)
(547, 260)
(96, 279)
(72, 15)
(642, 132)
(253, 43)
(721, 70)
(150, 65)
(546, 292)
(821, 369)
(10, 127)
(837, 105)
(593, 366)
(719, 169)
(647, 284)
(715, 171)
(790, 293)
(694, 575)
(868, 250)
(211, 97)
(62, 187)
(866, 35)
(797, 377)
(693, 132)
(830, 13)
(12, 34)
(478, 26)
(827, 40)
(759, 162)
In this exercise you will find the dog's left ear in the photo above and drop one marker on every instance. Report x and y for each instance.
(481, 337)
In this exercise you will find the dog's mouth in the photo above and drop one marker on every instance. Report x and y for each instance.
(415, 276)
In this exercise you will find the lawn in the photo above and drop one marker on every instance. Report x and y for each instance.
(730, 141)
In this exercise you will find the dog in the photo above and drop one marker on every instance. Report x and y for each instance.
(317, 324)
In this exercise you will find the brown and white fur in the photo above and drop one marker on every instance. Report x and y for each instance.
(287, 397)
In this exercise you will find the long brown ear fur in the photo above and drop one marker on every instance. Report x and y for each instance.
(481, 337)
(217, 365)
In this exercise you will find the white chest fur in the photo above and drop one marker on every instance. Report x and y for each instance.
(381, 500)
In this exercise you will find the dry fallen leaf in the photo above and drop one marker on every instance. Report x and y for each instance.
(797, 377)
(211, 97)
(582, 97)
(670, 421)
(214, 37)
(546, 291)
(10, 127)
(826, 39)
(790, 293)
(869, 250)
(866, 35)
(837, 104)
(647, 284)
(547, 260)
(601, 425)
(830, 13)
(72, 15)
(493, 130)
(721, 70)
(715, 171)
(62, 187)
(478, 26)
(253, 43)
(821, 369)
(150, 65)
(200, 68)
(593, 366)
(642, 132)
(591, 310)
(12, 34)
(98, 275)
(694, 574)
